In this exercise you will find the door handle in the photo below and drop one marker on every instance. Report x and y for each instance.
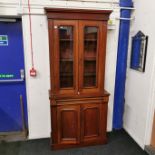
(22, 76)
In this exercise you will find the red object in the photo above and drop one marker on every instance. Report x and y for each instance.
(33, 72)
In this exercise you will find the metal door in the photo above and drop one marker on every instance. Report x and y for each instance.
(12, 81)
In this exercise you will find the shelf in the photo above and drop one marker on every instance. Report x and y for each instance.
(66, 40)
(90, 59)
(90, 74)
(64, 60)
(90, 40)
(66, 74)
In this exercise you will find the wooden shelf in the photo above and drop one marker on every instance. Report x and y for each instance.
(64, 60)
(90, 74)
(90, 40)
(66, 40)
(66, 74)
(90, 59)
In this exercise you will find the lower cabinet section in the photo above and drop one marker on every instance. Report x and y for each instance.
(79, 123)
(68, 124)
(92, 122)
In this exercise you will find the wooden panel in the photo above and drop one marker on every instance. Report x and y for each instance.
(51, 53)
(54, 126)
(91, 127)
(153, 133)
(68, 124)
(60, 13)
(91, 120)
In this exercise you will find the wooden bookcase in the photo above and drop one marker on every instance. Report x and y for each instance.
(77, 40)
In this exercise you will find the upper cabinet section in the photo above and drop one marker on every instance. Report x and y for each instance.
(77, 52)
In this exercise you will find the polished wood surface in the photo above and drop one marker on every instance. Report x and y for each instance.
(77, 43)
(68, 124)
(91, 127)
(61, 13)
(80, 122)
(78, 90)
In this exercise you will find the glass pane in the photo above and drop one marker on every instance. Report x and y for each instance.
(90, 55)
(66, 56)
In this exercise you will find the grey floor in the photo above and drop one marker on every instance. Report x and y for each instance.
(150, 150)
(120, 143)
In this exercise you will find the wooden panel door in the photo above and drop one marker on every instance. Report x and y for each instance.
(92, 45)
(68, 124)
(65, 57)
(93, 118)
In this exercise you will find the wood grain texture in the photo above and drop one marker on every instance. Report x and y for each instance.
(78, 113)
(76, 14)
(79, 123)
(68, 118)
(91, 122)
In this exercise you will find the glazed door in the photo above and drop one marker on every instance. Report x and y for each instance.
(65, 57)
(68, 124)
(91, 57)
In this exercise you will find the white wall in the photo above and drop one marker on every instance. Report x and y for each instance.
(140, 87)
(37, 88)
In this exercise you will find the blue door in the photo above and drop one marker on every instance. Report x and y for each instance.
(12, 80)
